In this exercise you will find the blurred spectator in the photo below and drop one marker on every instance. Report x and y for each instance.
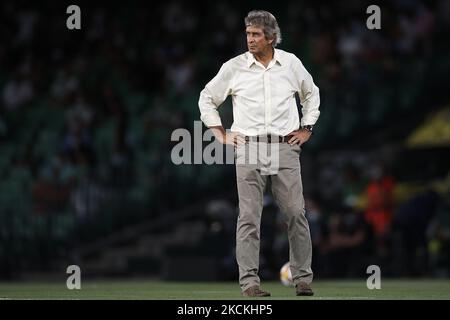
(438, 241)
(353, 186)
(409, 230)
(318, 229)
(379, 200)
(17, 92)
(65, 83)
(52, 191)
(349, 244)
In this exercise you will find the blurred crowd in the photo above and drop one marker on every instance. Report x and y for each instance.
(86, 117)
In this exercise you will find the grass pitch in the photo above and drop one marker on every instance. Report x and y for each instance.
(155, 290)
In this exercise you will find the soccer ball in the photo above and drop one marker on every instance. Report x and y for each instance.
(286, 275)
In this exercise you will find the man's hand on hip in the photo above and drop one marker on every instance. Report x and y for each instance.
(299, 136)
(234, 139)
(231, 138)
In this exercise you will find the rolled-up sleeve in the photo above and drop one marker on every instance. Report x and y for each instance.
(213, 95)
(309, 95)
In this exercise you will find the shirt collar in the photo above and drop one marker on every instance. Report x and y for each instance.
(251, 59)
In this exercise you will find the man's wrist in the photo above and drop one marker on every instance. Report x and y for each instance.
(308, 128)
(219, 132)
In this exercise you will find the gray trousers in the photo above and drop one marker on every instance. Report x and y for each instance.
(287, 190)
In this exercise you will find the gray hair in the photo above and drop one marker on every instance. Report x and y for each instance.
(267, 22)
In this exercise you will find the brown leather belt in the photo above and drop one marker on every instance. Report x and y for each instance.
(268, 138)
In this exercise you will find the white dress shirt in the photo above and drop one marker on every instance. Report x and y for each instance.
(263, 98)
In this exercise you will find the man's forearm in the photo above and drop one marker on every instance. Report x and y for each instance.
(208, 109)
(219, 132)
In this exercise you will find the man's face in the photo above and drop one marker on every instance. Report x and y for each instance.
(256, 40)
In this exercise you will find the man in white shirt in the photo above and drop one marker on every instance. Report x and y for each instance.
(263, 83)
